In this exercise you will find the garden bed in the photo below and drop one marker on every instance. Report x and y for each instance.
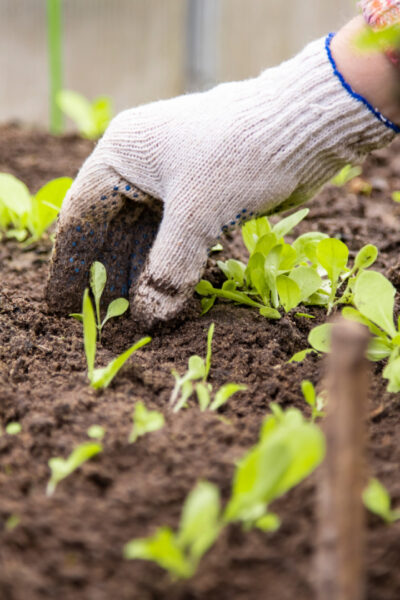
(70, 546)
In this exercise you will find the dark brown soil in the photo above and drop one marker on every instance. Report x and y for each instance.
(70, 546)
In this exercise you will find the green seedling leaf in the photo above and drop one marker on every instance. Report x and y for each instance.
(268, 523)
(265, 244)
(354, 315)
(300, 356)
(332, 255)
(204, 288)
(14, 195)
(253, 230)
(345, 175)
(46, 205)
(224, 393)
(366, 257)
(286, 225)
(233, 269)
(116, 308)
(217, 248)
(304, 315)
(145, 421)
(307, 280)
(203, 395)
(289, 292)
(269, 313)
(378, 349)
(374, 298)
(101, 378)
(60, 468)
(319, 337)
(98, 279)
(200, 522)
(89, 333)
(91, 118)
(163, 549)
(96, 432)
(13, 428)
(306, 244)
(77, 316)
(101, 114)
(207, 304)
(209, 351)
(392, 373)
(376, 498)
(396, 196)
(309, 392)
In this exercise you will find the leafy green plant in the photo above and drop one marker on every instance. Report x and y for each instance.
(97, 282)
(376, 498)
(96, 432)
(313, 270)
(101, 377)
(195, 380)
(315, 402)
(289, 449)
(13, 428)
(345, 175)
(145, 421)
(91, 118)
(27, 217)
(61, 468)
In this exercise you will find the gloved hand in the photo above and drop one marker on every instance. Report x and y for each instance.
(169, 178)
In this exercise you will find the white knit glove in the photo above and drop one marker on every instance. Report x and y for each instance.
(204, 163)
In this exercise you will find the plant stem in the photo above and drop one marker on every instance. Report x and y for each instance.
(54, 34)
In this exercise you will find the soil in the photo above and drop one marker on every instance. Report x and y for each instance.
(69, 546)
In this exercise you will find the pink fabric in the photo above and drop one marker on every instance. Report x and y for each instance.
(381, 13)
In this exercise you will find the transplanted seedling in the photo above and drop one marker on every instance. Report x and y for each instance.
(346, 175)
(145, 421)
(26, 217)
(289, 449)
(376, 498)
(310, 396)
(101, 377)
(91, 118)
(61, 468)
(195, 380)
(97, 281)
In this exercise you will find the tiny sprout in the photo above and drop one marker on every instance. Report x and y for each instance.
(145, 421)
(96, 432)
(345, 175)
(61, 468)
(396, 196)
(310, 396)
(13, 428)
(376, 498)
(12, 522)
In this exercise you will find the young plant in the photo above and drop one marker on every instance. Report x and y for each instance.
(97, 282)
(145, 421)
(345, 175)
(96, 432)
(61, 468)
(289, 449)
(195, 380)
(26, 217)
(101, 377)
(376, 498)
(91, 118)
(54, 37)
(13, 428)
(315, 402)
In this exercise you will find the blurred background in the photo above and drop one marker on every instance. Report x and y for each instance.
(137, 51)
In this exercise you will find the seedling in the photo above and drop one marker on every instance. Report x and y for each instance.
(145, 421)
(12, 522)
(101, 377)
(13, 428)
(289, 449)
(396, 196)
(27, 217)
(96, 432)
(91, 118)
(61, 468)
(316, 402)
(195, 380)
(116, 308)
(376, 498)
(54, 35)
(345, 175)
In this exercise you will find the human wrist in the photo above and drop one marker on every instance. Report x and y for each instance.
(369, 73)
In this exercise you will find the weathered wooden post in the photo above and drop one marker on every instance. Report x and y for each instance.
(340, 552)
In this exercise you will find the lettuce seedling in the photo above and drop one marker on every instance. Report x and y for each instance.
(13, 428)
(96, 432)
(345, 175)
(289, 449)
(145, 421)
(101, 377)
(180, 552)
(61, 468)
(91, 118)
(376, 498)
(198, 370)
(97, 282)
(26, 217)
(316, 402)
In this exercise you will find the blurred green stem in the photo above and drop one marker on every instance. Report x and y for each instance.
(54, 34)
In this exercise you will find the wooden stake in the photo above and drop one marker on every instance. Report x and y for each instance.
(340, 560)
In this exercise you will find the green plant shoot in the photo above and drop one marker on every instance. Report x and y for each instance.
(376, 498)
(54, 36)
(145, 421)
(345, 175)
(91, 118)
(61, 468)
(315, 402)
(13, 428)
(101, 377)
